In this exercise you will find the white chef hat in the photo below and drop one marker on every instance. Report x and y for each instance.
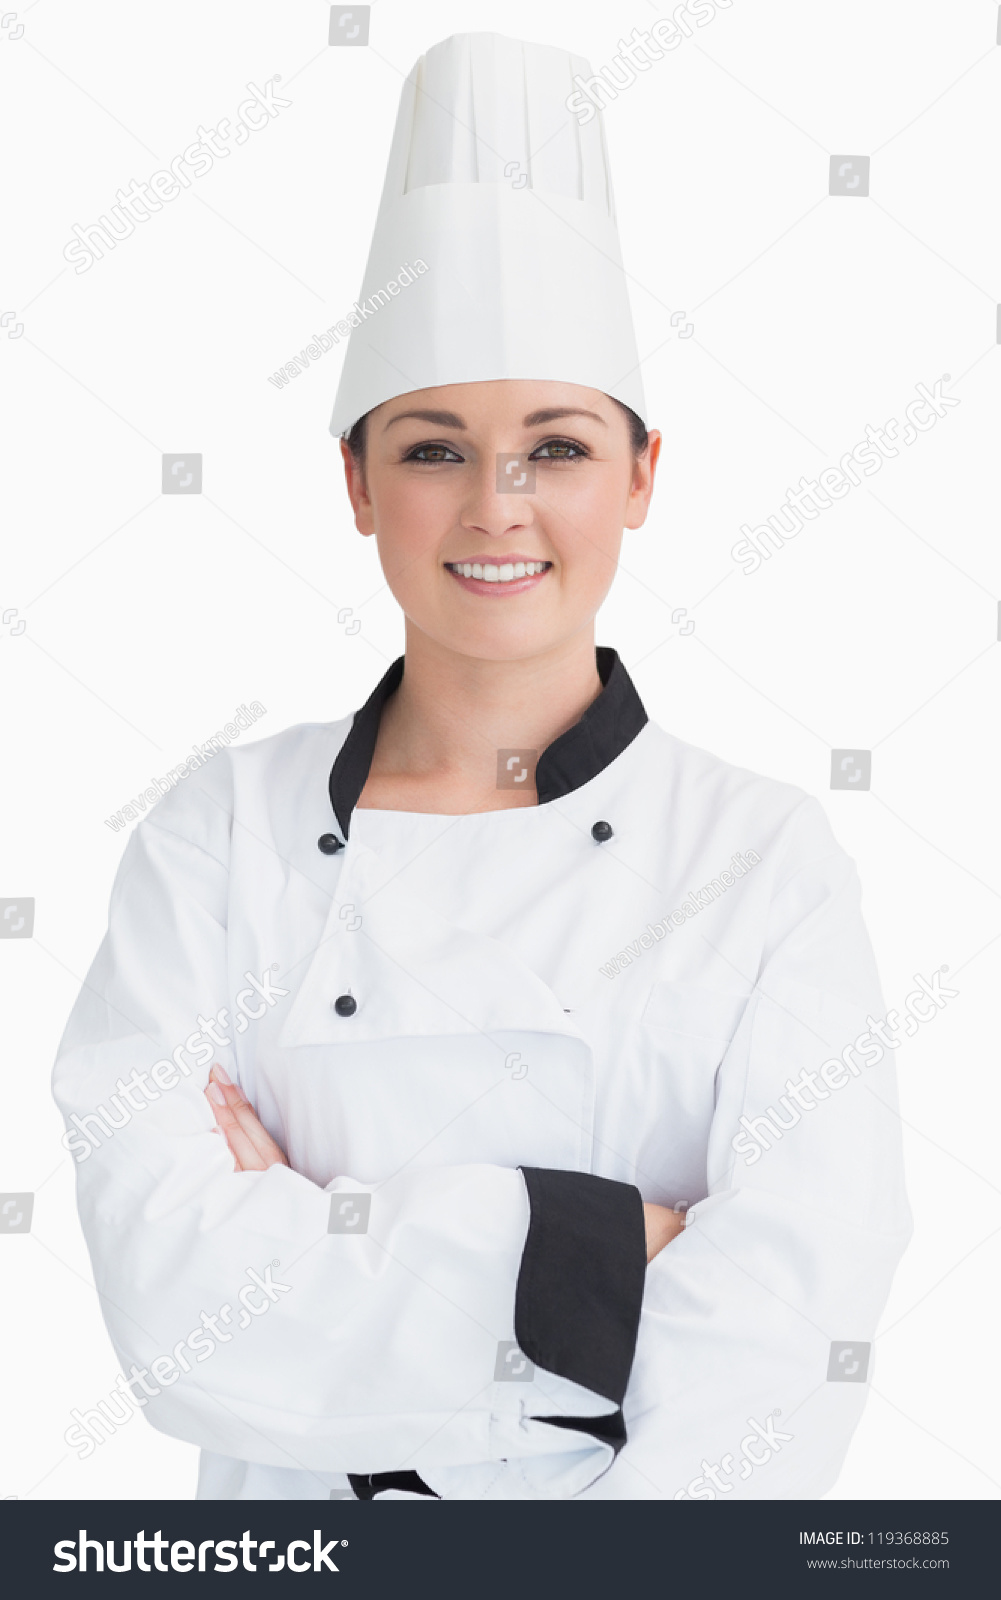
(496, 252)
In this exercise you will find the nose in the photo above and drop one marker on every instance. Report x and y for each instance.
(493, 510)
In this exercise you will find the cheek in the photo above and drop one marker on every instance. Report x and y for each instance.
(584, 525)
(409, 525)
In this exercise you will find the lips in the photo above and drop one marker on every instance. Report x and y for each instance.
(498, 577)
(496, 571)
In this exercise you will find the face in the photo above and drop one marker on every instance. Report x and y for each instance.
(480, 565)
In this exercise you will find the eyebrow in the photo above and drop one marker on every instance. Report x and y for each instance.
(554, 413)
(444, 419)
(535, 419)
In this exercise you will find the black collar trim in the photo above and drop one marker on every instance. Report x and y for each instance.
(610, 723)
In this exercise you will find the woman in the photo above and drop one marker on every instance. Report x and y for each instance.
(545, 1164)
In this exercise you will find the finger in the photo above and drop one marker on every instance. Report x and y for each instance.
(253, 1129)
(224, 1092)
(244, 1118)
(246, 1155)
(258, 1136)
(242, 1149)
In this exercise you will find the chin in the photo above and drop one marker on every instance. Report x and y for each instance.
(491, 641)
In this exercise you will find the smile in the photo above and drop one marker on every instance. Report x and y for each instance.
(499, 573)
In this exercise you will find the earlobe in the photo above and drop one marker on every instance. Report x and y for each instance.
(644, 473)
(362, 506)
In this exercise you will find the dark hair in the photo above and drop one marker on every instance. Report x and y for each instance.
(637, 429)
(355, 436)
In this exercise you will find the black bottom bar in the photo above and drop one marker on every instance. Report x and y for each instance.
(532, 1550)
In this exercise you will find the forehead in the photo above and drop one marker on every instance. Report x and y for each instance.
(504, 400)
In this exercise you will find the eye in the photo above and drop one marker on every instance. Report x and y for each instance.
(430, 455)
(560, 450)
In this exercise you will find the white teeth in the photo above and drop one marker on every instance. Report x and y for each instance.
(504, 572)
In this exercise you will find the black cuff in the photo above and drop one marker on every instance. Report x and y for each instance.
(580, 1286)
(610, 1429)
(366, 1485)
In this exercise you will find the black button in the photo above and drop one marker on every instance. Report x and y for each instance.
(345, 1005)
(329, 844)
(601, 831)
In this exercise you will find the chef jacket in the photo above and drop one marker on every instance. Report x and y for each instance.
(483, 1040)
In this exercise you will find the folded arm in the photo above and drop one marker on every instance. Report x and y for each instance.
(737, 1388)
(381, 1349)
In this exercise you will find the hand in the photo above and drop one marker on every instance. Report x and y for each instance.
(662, 1225)
(251, 1146)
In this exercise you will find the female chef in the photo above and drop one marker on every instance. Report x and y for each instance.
(478, 1096)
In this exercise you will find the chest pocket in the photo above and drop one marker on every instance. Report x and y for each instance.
(685, 1029)
(694, 1011)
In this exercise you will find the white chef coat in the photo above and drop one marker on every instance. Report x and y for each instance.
(481, 1040)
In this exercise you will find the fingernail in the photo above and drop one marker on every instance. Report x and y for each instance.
(223, 1075)
(215, 1093)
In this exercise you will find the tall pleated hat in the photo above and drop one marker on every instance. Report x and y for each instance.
(496, 250)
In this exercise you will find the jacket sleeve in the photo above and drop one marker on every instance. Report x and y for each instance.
(242, 1323)
(758, 1320)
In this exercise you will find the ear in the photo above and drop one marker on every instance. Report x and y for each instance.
(354, 478)
(641, 489)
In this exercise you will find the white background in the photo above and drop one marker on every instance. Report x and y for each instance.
(148, 620)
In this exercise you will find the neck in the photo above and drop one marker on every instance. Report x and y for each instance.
(453, 713)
